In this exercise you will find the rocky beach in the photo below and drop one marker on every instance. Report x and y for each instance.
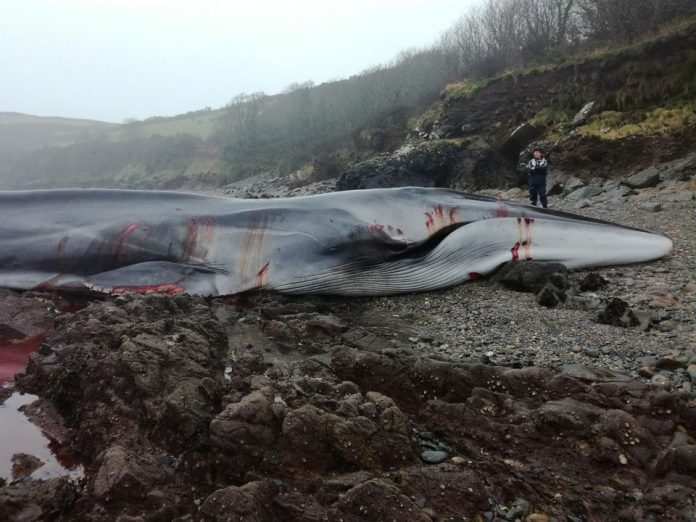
(148, 373)
(535, 395)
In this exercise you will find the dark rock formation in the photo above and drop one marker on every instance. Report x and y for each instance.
(465, 165)
(252, 502)
(618, 312)
(592, 282)
(179, 419)
(37, 500)
(517, 141)
(530, 276)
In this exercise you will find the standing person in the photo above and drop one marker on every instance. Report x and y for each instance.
(537, 168)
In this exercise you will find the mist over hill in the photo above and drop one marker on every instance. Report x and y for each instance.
(322, 130)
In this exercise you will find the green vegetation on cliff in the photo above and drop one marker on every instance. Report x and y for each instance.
(645, 88)
(611, 125)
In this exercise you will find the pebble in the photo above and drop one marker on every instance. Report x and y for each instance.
(661, 380)
(647, 371)
(520, 510)
(433, 456)
(667, 326)
(691, 372)
(592, 352)
(537, 517)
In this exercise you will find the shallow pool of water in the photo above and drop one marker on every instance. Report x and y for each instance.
(19, 435)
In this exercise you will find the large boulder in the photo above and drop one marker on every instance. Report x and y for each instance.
(583, 114)
(572, 184)
(377, 500)
(680, 169)
(252, 502)
(645, 178)
(584, 193)
(315, 438)
(124, 474)
(247, 426)
(616, 194)
(531, 276)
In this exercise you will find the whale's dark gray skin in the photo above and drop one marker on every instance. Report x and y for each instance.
(368, 242)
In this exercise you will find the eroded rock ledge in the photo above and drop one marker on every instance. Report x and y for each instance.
(276, 409)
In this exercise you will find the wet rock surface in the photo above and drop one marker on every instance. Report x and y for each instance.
(38, 500)
(24, 465)
(268, 408)
(27, 315)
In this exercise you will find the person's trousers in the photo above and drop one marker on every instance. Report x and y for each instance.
(537, 190)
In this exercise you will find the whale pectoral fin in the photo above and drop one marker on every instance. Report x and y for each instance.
(157, 276)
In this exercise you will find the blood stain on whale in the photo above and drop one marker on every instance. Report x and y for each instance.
(261, 274)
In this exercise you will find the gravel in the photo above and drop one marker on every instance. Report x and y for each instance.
(475, 319)
(484, 321)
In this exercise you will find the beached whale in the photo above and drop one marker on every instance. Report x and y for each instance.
(367, 242)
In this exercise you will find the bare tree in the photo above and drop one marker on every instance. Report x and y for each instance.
(504, 26)
(243, 115)
(464, 45)
(507, 33)
(301, 122)
(546, 26)
(627, 20)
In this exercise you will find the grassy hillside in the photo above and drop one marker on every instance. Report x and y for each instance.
(200, 124)
(23, 132)
(8, 118)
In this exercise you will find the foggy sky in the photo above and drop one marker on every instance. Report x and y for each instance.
(117, 59)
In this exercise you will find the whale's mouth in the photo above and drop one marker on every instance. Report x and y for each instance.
(424, 248)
